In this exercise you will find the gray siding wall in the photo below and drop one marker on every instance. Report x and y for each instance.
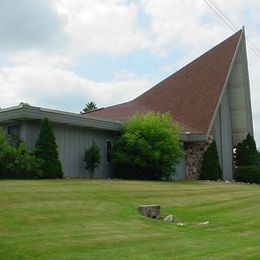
(72, 142)
(181, 170)
(223, 137)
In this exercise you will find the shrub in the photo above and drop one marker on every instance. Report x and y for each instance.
(16, 162)
(92, 158)
(27, 164)
(249, 174)
(14, 140)
(7, 159)
(149, 148)
(46, 150)
(246, 152)
(210, 169)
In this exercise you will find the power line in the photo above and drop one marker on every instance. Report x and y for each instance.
(213, 6)
(224, 15)
(253, 48)
(220, 16)
(233, 25)
(230, 24)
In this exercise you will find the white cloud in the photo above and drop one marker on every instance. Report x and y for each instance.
(102, 25)
(41, 58)
(178, 23)
(36, 83)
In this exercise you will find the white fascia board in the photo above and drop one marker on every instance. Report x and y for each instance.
(226, 82)
(185, 137)
(247, 88)
(11, 108)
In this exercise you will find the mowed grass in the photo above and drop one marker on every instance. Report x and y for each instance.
(98, 219)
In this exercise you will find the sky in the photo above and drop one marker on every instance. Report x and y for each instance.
(62, 54)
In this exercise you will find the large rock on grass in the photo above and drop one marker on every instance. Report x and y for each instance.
(150, 211)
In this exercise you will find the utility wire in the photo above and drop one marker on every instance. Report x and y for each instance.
(220, 16)
(233, 25)
(213, 6)
(224, 15)
(230, 24)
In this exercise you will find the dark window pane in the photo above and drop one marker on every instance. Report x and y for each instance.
(109, 151)
(14, 130)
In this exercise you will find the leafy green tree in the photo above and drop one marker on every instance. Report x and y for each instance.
(92, 158)
(16, 162)
(46, 149)
(26, 164)
(90, 106)
(246, 152)
(210, 169)
(149, 148)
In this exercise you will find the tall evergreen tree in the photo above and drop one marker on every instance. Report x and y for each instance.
(46, 149)
(210, 169)
(246, 152)
(90, 106)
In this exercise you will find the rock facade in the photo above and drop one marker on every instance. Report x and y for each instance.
(194, 154)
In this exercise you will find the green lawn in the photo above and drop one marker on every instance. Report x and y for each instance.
(97, 219)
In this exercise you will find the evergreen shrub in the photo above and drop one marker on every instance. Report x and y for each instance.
(210, 169)
(249, 174)
(92, 158)
(246, 152)
(46, 150)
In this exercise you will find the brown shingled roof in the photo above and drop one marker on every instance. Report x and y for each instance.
(190, 95)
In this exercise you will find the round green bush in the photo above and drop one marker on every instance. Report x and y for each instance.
(149, 148)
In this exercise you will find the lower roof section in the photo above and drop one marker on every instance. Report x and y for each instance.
(27, 112)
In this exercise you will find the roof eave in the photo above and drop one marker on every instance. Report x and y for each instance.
(25, 111)
(189, 137)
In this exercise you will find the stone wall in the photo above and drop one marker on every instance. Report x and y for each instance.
(194, 153)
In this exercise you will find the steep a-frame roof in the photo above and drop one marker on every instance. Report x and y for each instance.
(190, 95)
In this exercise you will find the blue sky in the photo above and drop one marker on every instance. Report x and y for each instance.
(140, 62)
(64, 53)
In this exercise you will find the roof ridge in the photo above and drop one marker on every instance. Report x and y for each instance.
(193, 61)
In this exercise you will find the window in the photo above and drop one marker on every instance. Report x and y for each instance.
(14, 130)
(109, 145)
